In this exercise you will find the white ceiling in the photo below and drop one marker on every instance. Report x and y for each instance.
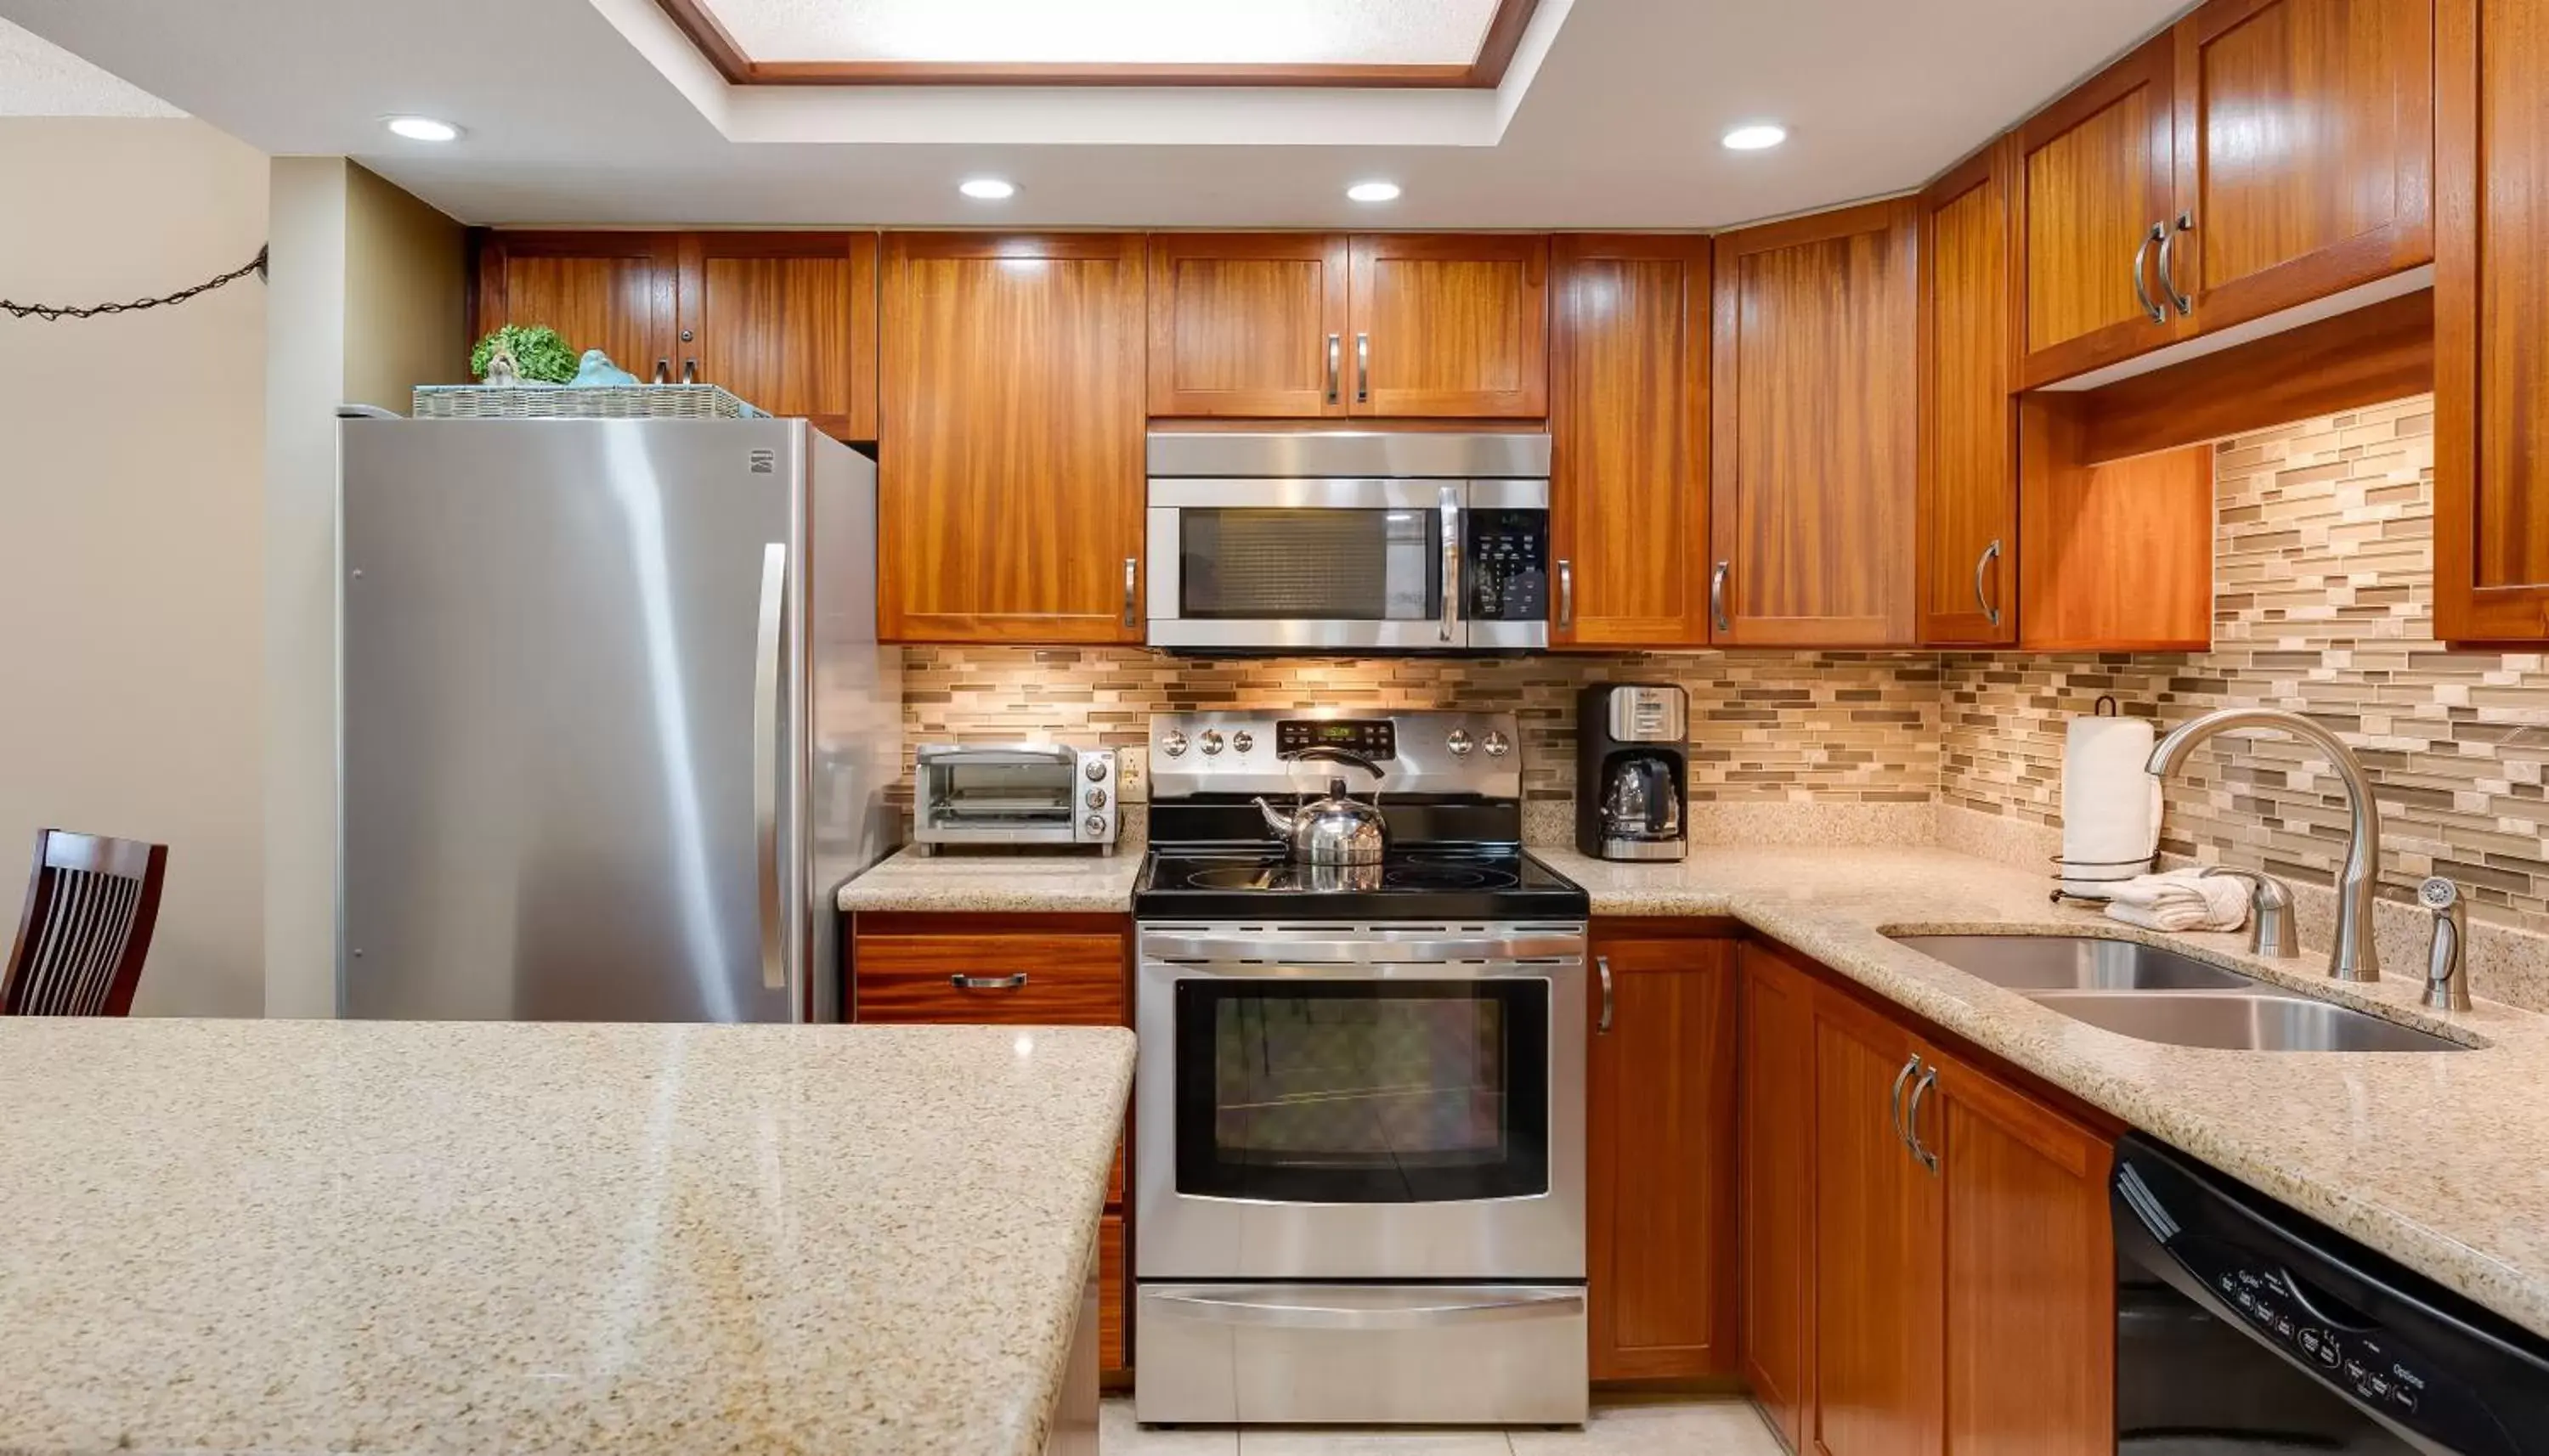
(1615, 126)
(40, 79)
(1253, 31)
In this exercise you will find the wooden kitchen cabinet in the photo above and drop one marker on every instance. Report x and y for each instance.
(1248, 324)
(1010, 461)
(1627, 418)
(1968, 513)
(1814, 436)
(786, 321)
(615, 292)
(2491, 314)
(1775, 1142)
(2096, 174)
(1661, 1165)
(1451, 324)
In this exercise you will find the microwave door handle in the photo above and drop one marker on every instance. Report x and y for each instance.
(1450, 562)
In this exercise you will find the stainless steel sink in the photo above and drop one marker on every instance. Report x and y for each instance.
(2075, 964)
(2240, 1021)
(2156, 995)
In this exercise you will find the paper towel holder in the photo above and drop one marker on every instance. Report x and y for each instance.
(2069, 871)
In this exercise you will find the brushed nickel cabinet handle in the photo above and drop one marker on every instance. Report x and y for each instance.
(2168, 279)
(1894, 1102)
(1363, 369)
(663, 371)
(1336, 365)
(2141, 260)
(1912, 1119)
(1565, 596)
(1717, 596)
(1132, 578)
(1602, 963)
(690, 370)
(988, 982)
(1982, 568)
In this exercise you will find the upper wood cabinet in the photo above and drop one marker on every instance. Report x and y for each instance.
(1814, 441)
(1775, 1146)
(2305, 151)
(608, 291)
(2490, 313)
(1968, 516)
(1250, 323)
(1450, 326)
(2094, 180)
(784, 320)
(787, 322)
(1009, 478)
(1628, 419)
(1661, 1158)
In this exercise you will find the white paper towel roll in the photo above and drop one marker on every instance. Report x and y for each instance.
(2109, 804)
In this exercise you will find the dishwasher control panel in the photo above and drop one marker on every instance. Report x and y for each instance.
(2366, 1361)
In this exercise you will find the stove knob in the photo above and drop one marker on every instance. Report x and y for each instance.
(1497, 744)
(1243, 740)
(1097, 770)
(1175, 745)
(1458, 742)
(1095, 824)
(1211, 739)
(1096, 798)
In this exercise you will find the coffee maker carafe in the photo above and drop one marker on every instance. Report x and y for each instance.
(1632, 772)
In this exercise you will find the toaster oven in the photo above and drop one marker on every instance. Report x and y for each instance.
(1021, 793)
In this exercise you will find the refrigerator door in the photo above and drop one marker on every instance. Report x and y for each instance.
(571, 647)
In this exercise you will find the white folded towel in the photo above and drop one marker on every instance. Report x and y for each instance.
(2180, 900)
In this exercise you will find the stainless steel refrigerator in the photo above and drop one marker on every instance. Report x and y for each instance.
(614, 721)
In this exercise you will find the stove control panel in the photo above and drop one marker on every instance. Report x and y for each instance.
(1254, 753)
(1375, 739)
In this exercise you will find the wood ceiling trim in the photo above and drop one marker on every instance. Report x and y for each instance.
(1495, 56)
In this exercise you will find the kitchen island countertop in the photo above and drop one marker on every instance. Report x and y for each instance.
(403, 1237)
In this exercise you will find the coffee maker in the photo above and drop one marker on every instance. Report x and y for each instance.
(1632, 772)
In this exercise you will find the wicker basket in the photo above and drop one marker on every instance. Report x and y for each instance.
(561, 402)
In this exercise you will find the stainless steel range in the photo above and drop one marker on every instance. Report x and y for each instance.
(1360, 1109)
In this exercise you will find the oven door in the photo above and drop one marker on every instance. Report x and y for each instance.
(1360, 1103)
(1306, 565)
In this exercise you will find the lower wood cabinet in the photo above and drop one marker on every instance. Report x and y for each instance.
(1660, 1163)
(1775, 1143)
(1010, 971)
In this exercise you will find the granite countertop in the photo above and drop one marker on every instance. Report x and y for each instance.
(387, 1236)
(2440, 1160)
(1085, 882)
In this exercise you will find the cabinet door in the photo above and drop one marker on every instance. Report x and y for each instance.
(786, 321)
(1775, 1142)
(2028, 1274)
(1968, 517)
(606, 291)
(1450, 326)
(2095, 174)
(1010, 469)
(1248, 325)
(1815, 440)
(1660, 1213)
(2490, 313)
(1628, 416)
(2305, 151)
(1876, 1381)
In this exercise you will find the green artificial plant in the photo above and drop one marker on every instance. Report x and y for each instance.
(538, 353)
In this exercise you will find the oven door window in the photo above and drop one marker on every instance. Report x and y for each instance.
(1310, 564)
(1363, 1091)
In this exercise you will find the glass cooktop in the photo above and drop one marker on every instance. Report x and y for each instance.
(1484, 883)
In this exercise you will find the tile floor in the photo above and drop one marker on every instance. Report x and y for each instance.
(1722, 1428)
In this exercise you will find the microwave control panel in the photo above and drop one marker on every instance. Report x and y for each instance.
(1507, 565)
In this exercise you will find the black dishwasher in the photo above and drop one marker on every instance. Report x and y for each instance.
(2243, 1328)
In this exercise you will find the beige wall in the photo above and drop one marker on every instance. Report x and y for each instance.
(130, 460)
(369, 299)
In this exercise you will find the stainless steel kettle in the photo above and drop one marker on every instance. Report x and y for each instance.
(1337, 829)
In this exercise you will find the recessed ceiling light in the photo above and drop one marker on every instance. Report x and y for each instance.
(987, 189)
(1374, 192)
(422, 129)
(1755, 137)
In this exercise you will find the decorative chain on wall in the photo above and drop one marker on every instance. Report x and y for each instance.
(51, 312)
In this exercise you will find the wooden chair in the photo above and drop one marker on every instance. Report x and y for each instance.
(90, 905)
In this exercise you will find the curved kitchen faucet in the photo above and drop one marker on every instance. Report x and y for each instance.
(2352, 956)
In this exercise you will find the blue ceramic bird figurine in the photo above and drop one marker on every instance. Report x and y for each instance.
(596, 370)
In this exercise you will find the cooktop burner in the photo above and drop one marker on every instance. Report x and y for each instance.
(1483, 883)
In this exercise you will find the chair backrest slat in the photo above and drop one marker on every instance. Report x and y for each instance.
(91, 904)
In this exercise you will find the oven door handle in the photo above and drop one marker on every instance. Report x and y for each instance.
(1249, 1307)
(1231, 956)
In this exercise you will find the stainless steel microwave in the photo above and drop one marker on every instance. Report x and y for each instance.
(1369, 541)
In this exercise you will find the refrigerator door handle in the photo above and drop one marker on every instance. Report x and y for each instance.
(765, 758)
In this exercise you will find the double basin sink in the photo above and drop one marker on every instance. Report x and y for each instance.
(2157, 995)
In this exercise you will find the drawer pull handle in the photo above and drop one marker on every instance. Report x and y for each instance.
(988, 982)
